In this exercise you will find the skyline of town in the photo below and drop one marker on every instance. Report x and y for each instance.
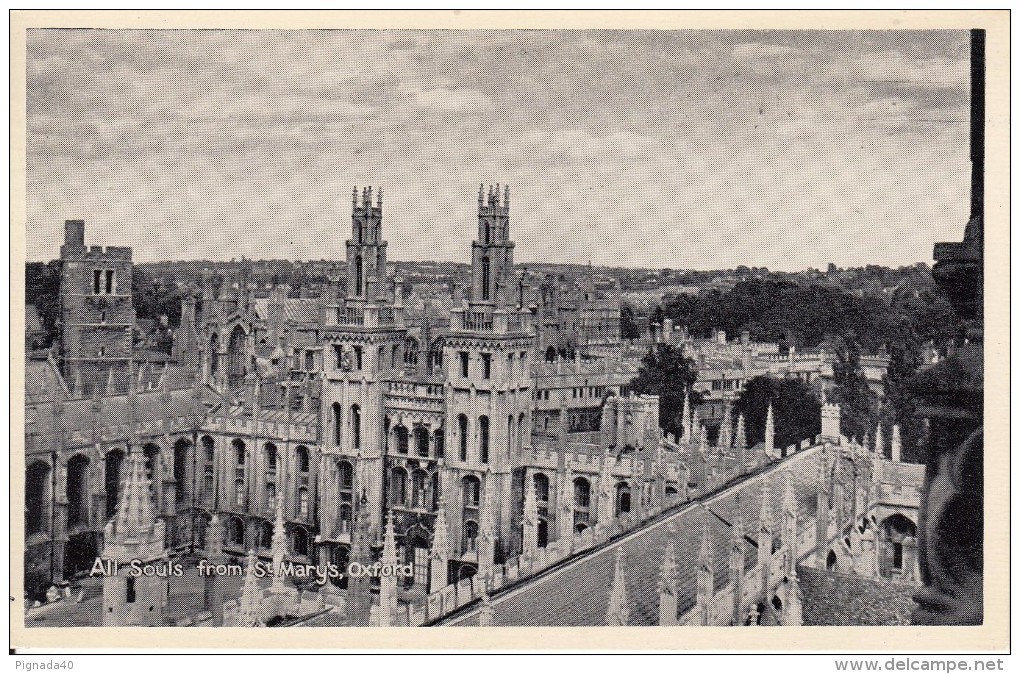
(714, 144)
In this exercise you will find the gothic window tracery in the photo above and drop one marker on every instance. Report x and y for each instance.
(462, 433)
(301, 454)
(483, 438)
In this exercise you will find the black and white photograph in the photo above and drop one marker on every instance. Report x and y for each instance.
(503, 327)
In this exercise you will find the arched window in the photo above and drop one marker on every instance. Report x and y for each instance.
(435, 491)
(485, 278)
(438, 441)
(462, 435)
(411, 352)
(358, 235)
(237, 357)
(509, 434)
(892, 533)
(550, 354)
(303, 506)
(301, 454)
(419, 486)
(521, 431)
(470, 536)
(114, 461)
(209, 449)
(37, 489)
(393, 357)
(472, 488)
(483, 438)
(77, 490)
(541, 487)
(337, 419)
(300, 542)
(345, 471)
(622, 498)
(239, 493)
(239, 452)
(182, 470)
(355, 427)
(421, 440)
(270, 456)
(358, 275)
(398, 486)
(582, 493)
(214, 360)
(402, 438)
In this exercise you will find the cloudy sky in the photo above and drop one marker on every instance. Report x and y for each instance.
(686, 149)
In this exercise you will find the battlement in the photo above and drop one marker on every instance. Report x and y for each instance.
(583, 462)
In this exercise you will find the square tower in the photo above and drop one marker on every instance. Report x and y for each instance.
(97, 315)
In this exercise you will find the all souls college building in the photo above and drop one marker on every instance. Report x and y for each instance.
(343, 428)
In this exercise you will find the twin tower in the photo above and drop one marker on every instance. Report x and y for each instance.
(492, 254)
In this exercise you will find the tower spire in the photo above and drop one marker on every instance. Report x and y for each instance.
(618, 612)
(706, 572)
(792, 610)
(279, 546)
(740, 442)
(736, 563)
(668, 585)
(440, 553)
(251, 597)
(388, 583)
(770, 434)
(765, 540)
(725, 439)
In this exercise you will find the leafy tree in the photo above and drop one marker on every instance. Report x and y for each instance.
(42, 288)
(858, 403)
(668, 373)
(900, 405)
(629, 329)
(796, 411)
(769, 310)
(154, 297)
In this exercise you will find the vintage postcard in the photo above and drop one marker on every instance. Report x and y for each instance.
(510, 330)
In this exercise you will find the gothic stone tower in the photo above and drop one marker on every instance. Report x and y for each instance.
(492, 255)
(96, 313)
(487, 356)
(362, 337)
(366, 250)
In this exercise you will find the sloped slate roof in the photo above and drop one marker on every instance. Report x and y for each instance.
(578, 593)
(295, 310)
